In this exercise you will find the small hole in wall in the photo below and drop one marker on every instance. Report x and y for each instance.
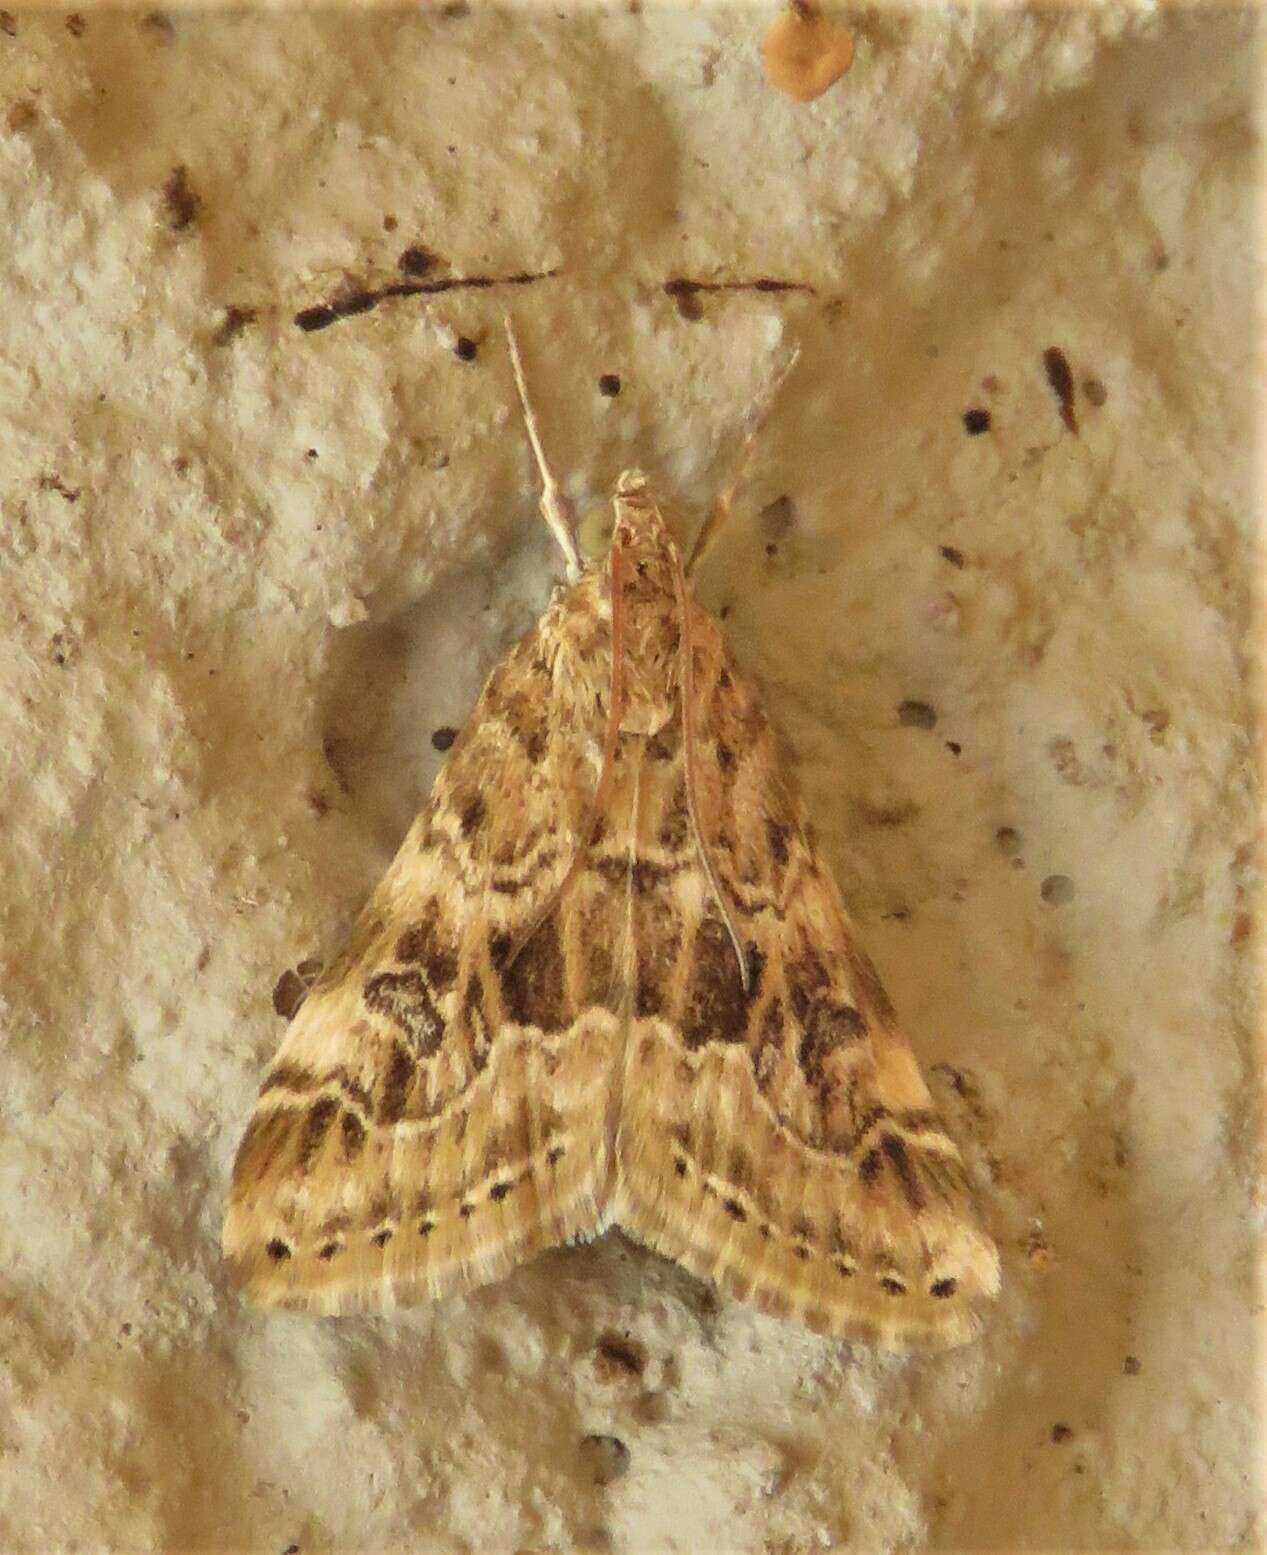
(1057, 890)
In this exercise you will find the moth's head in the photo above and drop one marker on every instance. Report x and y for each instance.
(642, 531)
(636, 514)
(642, 523)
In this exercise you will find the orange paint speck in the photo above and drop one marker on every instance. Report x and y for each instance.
(804, 53)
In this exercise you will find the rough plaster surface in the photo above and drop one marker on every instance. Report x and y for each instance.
(246, 571)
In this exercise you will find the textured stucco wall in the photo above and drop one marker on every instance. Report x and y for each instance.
(245, 571)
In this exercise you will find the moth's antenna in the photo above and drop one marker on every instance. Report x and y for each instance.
(598, 804)
(758, 415)
(555, 507)
(687, 673)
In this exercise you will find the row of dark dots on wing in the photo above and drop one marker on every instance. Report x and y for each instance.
(279, 1251)
(942, 1289)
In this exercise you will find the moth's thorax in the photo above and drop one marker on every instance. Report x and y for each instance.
(647, 564)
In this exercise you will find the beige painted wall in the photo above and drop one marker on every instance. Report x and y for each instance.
(245, 571)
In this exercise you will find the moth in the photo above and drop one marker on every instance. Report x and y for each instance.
(608, 980)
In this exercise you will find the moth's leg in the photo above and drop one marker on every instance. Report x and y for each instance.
(758, 415)
(555, 507)
(687, 675)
